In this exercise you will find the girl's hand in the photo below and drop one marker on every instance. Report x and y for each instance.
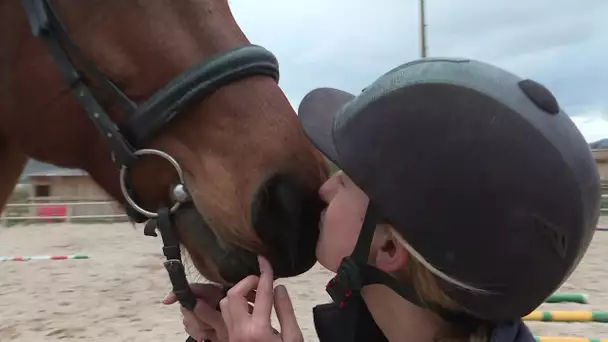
(205, 323)
(246, 326)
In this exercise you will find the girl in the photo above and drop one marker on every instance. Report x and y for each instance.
(467, 197)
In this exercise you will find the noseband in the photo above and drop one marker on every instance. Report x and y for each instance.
(145, 120)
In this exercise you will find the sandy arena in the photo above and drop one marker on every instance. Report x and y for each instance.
(115, 295)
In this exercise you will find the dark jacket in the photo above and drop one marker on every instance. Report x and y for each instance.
(357, 325)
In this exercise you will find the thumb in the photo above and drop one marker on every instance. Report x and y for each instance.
(290, 330)
(170, 299)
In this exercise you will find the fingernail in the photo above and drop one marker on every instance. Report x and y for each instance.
(263, 264)
(281, 291)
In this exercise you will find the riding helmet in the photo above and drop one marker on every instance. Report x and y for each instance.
(481, 171)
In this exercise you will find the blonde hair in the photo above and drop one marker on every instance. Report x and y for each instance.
(423, 276)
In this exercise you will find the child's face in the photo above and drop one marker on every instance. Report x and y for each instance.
(342, 220)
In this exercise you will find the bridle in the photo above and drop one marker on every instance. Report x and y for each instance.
(145, 120)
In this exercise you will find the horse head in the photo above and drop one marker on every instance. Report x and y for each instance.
(167, 81)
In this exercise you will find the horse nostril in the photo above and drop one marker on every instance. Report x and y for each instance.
(278, 201)
(285, 216)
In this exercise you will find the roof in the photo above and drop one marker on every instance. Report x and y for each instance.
(600, 144)
(37, 168)
(59, 173)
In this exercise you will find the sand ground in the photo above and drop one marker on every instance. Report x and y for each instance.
(115, 295)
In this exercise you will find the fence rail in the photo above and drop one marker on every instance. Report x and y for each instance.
(58, 199)
(14, 212)
(22, 212)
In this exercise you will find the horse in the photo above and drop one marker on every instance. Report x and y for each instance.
(175, 114)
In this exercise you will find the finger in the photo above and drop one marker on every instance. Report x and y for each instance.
(212, 336)
(198, 335)
(198, 338)
(213, 299)
(290, 330)
(251, 296)
(236, 302)
(211, 293)
(191, 318)
(197, 329)
(225, 312)
(244, 287)
(170, 299)
(207, 314)
(209, 336)
(264, 293)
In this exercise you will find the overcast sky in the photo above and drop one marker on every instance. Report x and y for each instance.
(349, 43)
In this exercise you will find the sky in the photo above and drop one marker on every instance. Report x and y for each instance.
(562, 44)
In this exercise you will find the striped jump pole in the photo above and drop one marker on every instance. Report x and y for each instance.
(567, 316)
(580, 298)
(604, 228)
(568, 339)
(44, 257)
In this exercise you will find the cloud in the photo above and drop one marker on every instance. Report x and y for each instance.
(594, 126)
(348, 44)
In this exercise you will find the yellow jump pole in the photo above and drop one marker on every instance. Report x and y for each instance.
(567, 316)
(568, 339)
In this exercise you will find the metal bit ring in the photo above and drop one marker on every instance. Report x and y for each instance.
(123, 176)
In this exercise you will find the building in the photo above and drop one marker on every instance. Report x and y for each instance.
(46, 183)
(49, 184)
(601, 159)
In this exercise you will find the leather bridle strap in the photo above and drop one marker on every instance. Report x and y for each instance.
(198, 82)
(173, 263)
(143, 121)
(45, 25)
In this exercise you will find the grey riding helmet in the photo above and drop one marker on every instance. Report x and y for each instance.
(481, 172)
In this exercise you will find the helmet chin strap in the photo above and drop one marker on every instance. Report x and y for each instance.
(355, 272)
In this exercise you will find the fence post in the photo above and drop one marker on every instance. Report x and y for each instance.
(68, 213)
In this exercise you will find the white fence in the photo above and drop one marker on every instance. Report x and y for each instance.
(12, 213)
